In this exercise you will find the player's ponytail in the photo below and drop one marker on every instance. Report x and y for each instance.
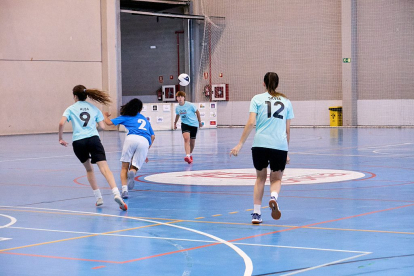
(271, 80)
(97, 95)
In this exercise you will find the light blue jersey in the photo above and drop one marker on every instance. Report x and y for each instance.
(272, 113)
(84, 117)
(187, 114)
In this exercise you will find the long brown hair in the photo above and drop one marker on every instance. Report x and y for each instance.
(131, 108)
(271, 80)
(97, 95)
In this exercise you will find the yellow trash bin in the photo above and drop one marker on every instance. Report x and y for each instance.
(335, 113)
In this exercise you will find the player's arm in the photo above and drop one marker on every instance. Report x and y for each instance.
(288, 138)
(61, 126)
(199, 118)
(107, 120)
(152, 140)
(176, 120)
(246, 132)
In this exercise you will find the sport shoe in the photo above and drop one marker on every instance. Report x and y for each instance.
(256, 218)
(121, 203)
(191, 157)
(188, 160)
(99, 202)
(131, 181)
(124, 194)
(276, 214)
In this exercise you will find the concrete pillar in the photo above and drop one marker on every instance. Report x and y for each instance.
(349, 69)
(111, 53)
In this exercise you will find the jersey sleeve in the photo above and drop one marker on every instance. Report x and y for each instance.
(118, 120)
(99, 116)
(290, 114)
(150, 130)
(194, 107)
(253, 106)
(67, 114)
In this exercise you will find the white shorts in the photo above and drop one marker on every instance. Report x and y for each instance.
(135, 150)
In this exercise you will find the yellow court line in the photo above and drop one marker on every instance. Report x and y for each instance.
(249, 210)
(216, 215)
(218, 222)
(87, 236)
(233, 212)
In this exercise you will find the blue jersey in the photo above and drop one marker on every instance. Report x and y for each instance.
(137, 125)
(84, 117)
(187, 114)
(272, 113)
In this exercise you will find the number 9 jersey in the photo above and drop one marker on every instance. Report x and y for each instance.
(271, 115)
(84, 117)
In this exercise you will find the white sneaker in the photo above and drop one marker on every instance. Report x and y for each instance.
(131, 181)
(276, 214)
(99, 202)
(121, 203)
(256, 218)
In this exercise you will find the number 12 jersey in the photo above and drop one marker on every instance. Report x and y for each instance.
(271, 115)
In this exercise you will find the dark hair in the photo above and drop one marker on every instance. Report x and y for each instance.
(131, 108)
(180, 93)
(97, 95)
(271, 80)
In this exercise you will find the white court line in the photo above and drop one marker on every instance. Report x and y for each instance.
(12, 221)
(247, 261)
(46, 157)
(323, 265)
(348, 155)
(190, 240)
(4, 239)
(385, 146)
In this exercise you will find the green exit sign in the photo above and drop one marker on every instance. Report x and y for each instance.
(346, 60)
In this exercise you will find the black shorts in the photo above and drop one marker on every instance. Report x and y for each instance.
(262, 157)
(191, 129)
(90, 147)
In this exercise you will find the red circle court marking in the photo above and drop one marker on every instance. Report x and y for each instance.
(247, 176)
(77, 182)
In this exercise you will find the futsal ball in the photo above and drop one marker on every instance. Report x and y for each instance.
(184, 79)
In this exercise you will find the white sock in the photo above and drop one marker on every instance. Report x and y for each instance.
(188, 155)
(257, 209)
(124, 188)
(275, 194)
(97, 194)
(115, 191)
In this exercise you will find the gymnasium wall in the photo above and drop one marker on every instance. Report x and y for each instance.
(302, 42)
(46, 48)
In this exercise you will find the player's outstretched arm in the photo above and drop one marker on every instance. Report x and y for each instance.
(107, 120)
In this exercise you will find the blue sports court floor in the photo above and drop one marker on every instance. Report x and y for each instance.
(347, 205)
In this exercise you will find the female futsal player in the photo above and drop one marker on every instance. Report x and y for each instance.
(190, 121)
(139, 139)
(86, 143)
(273, 112)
